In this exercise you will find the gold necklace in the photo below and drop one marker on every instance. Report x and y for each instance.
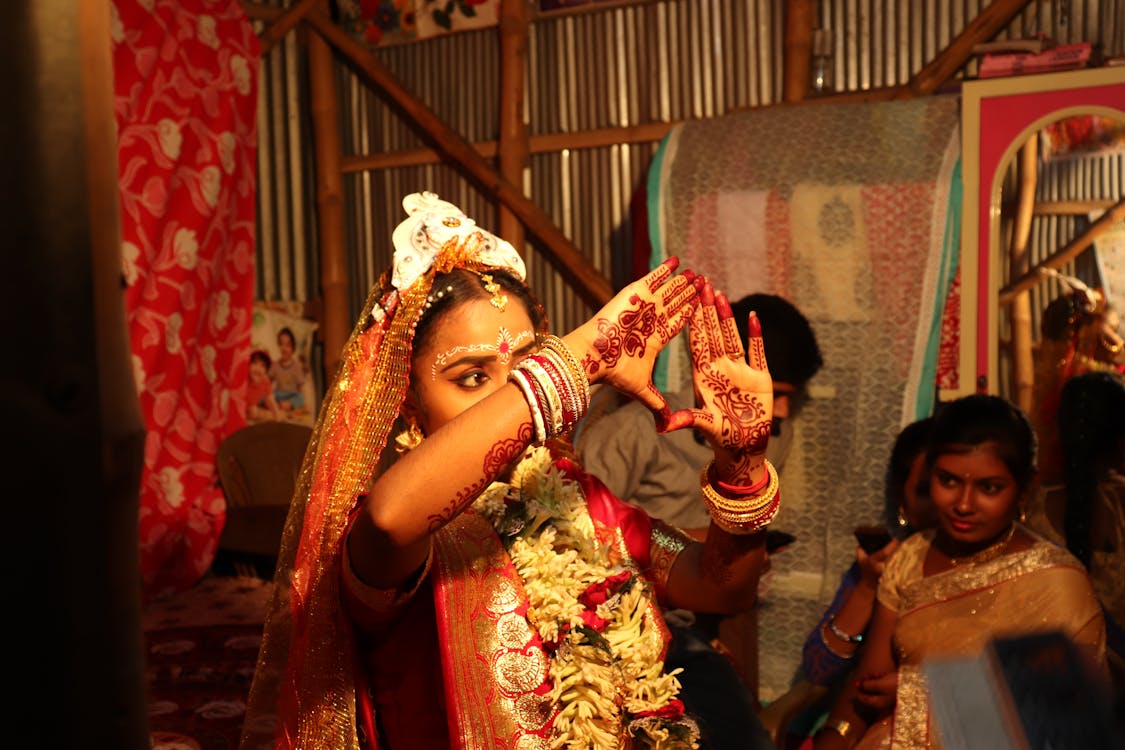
(990, 552)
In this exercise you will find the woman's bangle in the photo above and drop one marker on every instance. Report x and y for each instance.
(740, 489)
(856, 639)
(746, 515)
(842, 727)
(832, 649)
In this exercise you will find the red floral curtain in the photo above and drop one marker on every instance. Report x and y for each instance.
(185, 80)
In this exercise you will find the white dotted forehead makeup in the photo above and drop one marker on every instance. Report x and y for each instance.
(503, 347)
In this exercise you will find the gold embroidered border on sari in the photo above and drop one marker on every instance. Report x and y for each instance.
(956, 613)
(496, 672)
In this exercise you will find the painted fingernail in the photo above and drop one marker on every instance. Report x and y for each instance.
(755, 325)
(689, 274)
(708, 294)
(722, 307)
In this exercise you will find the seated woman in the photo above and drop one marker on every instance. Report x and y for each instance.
(482, 590)
(1081, 332)
(978, 575)
(830, 650)
(1091, 421)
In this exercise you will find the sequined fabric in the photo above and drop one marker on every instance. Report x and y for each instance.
(958, 611)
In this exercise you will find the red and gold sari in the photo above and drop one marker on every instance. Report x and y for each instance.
(455, 662)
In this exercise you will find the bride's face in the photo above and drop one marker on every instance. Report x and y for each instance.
(468, 356)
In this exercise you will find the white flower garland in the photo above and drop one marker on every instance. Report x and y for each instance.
(607, 673)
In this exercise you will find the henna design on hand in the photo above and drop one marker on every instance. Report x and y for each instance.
(628, 336)
(743, 426)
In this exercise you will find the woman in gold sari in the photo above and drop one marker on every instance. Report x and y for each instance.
(979, 575)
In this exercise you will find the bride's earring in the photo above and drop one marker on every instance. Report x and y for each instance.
(410, 438)
(901, 518)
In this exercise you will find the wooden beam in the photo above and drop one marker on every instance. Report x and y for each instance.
(959, 51)
(1023, 369)
(800, 21)
(336, 323)
(1113, 215)
(260, 11)
(1071, 208)
(939, 71)
(514, 25)
(591, 284)
(537, 144)
(277, 30)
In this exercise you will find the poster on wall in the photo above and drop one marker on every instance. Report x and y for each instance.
(385, 22)
(281, 388)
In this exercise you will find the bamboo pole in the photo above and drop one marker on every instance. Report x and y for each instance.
(284, 23)
(1023, 372)
(800, 21)
(591, 284)
(1071, 208)
(945, 64)
(960, 50)
(329, 202)
(514, 25)
(1068, 253)
(537, 144)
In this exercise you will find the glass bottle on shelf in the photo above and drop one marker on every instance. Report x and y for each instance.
(821, 69)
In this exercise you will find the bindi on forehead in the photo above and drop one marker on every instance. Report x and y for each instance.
(502, 347)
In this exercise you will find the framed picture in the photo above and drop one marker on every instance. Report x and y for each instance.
(281, 388)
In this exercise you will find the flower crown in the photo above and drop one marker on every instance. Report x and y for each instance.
(438, 235)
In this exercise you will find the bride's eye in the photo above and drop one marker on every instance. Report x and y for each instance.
(472, 379)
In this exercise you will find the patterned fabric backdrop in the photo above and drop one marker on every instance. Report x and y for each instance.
(843, 210)
(185, 79)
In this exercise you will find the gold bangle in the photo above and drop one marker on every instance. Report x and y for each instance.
(840, 726)
(744, 516)
(742, 525)
(740, 505)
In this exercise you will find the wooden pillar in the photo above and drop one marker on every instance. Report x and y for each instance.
(1023, 373)
(800, 20)
(513, 150)
(336, 323)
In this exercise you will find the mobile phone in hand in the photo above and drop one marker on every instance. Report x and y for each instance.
(775, 540)
(872, 538)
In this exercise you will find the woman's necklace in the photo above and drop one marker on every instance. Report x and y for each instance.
(990, 552)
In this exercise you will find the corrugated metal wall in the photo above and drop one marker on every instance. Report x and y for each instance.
(625, 65)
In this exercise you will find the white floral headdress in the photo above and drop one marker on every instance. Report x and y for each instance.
(438, 233)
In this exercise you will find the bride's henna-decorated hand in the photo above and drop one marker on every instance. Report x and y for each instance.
(733, 389)
(620, 343)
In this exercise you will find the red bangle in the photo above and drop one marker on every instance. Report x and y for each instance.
(744, 489)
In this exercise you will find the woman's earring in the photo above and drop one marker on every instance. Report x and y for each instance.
(410, 438)
(1023, 513)
(901, 518)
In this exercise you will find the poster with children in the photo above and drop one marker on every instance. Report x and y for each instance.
(281, 388)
